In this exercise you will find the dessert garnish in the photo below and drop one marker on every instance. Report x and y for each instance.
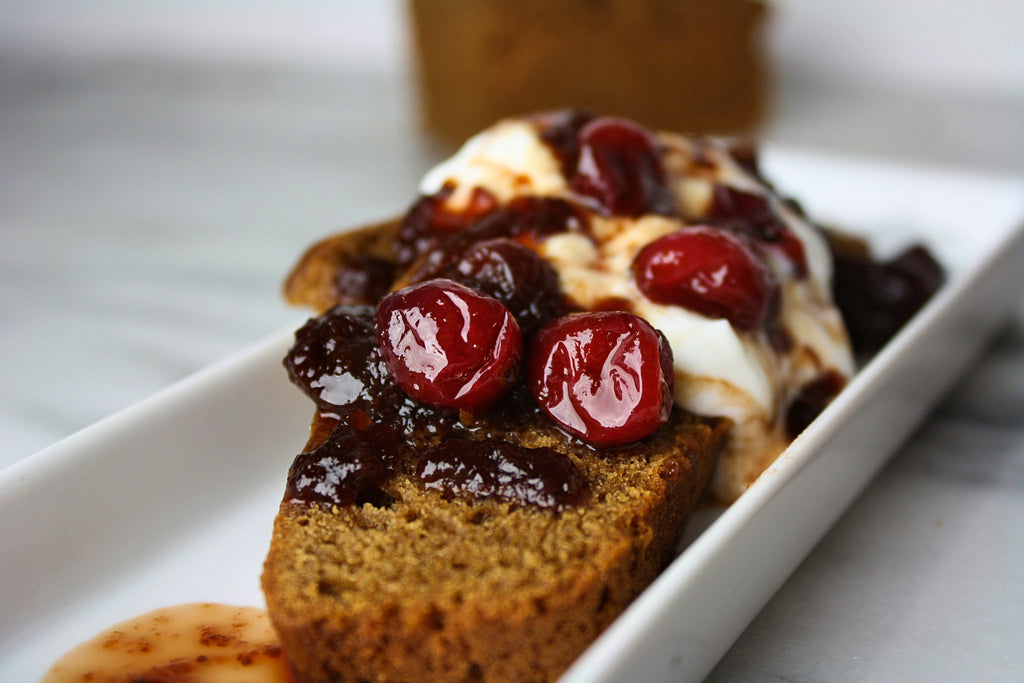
(711, 272)
(605, 377)
(564, 213)
(878, 296)
(619, 168)
(510, 272)
(449, 346)
(528, 384)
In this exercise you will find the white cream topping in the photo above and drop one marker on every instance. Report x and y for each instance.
(720, 371)
(508, 160)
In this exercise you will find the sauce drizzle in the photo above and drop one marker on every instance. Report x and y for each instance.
(206, 642)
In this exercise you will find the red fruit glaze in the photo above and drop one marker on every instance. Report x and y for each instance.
(619, 167)
(605, 377)
(449, 346)
(708, 271)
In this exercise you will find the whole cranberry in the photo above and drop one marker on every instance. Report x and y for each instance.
(752, 214)
(516, 276)
(449, 346)
(619, 167)
(708, 271)
(560, 130)
(606, 377)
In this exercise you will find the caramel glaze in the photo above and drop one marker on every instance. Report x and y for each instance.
(208, 642)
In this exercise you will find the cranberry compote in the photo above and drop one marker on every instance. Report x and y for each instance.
(560, 130)
(335, 360)
(605, 377)
(811, 400)
(708, 271)
(345, 469)
(528, 220)
(496, 469)
(877, 298)
(449, 346)
(429, 222)
(619, 167)
(514, 275)
(363, 279)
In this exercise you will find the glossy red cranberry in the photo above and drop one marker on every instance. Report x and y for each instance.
(710, 272)
(449, 346)
(605, 377)
(619, 167)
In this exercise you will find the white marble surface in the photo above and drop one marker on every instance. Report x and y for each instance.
(149, 207)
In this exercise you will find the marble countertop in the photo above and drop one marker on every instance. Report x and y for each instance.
(149, 210)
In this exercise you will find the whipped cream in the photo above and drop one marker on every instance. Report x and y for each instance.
(720, 370)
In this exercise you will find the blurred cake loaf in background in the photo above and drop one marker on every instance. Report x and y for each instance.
(689, 65)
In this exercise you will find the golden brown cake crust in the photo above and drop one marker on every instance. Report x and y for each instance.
(312, 282)
(457, 590)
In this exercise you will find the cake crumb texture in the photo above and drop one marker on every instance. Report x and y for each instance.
(435, 589)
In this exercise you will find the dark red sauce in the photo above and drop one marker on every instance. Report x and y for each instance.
(428, 223)
(336, 361)
(541, 477)
(363, 279)
(527, 220)
(812, 399)
(615, 167)
(348, 468)
(379, 429)
(877, 298)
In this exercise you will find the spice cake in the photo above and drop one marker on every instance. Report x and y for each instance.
(523, 387)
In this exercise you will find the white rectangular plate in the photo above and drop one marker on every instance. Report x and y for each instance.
(172, 500)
